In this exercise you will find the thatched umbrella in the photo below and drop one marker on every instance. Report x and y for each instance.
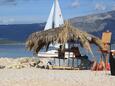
(61, 35)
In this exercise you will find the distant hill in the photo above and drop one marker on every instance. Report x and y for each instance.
(97, 23)
(19, 32)
(94, 24)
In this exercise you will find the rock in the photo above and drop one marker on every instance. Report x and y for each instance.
(16, 66)
(32, 64)
(44, 63)
(23, 60)
(2, 67)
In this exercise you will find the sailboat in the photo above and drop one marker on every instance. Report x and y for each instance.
(55, 20)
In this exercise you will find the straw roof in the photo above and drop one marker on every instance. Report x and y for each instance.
(61, 35)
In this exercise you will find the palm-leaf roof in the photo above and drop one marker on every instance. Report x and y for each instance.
(62, 35)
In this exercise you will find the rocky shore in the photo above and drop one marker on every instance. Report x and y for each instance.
(24, 62)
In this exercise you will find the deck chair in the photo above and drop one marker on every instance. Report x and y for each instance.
(106, 40)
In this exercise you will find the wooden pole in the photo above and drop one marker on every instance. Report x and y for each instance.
(59, 61)
(54, 61)
(73, 62)
(69, 52)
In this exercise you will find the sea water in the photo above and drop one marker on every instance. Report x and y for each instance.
(14, 51)
(19, 50)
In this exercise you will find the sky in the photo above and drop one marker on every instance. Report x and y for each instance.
(37, 11)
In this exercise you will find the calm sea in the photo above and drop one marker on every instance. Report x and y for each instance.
(18, 50)
(14, 50)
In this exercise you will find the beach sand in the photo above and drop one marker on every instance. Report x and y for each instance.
(31, 76)
(44, 77)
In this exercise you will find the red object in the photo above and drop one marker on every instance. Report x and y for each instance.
(100, 67)
(94, 67)
(107, 66)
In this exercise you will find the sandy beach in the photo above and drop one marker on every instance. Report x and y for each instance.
(43, 77)
(31, 76)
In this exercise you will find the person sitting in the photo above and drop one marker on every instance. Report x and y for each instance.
(76, 52)
(61, 52)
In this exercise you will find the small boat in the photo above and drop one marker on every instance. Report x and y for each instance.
(55, 19)
(54, 54)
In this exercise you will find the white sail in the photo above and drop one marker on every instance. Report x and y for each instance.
(55, 18)
(58, 21)
(50, 19)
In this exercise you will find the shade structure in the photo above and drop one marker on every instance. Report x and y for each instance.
(62, 35)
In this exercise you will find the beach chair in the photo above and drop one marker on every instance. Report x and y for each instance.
(106, 40)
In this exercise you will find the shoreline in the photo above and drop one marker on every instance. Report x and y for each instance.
(13, 44)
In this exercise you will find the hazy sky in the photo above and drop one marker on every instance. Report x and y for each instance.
(35, 11)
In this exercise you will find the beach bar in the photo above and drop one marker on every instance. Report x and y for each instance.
(57, 31)
(62, 35)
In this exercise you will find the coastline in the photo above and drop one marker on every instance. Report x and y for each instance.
(14, 43)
